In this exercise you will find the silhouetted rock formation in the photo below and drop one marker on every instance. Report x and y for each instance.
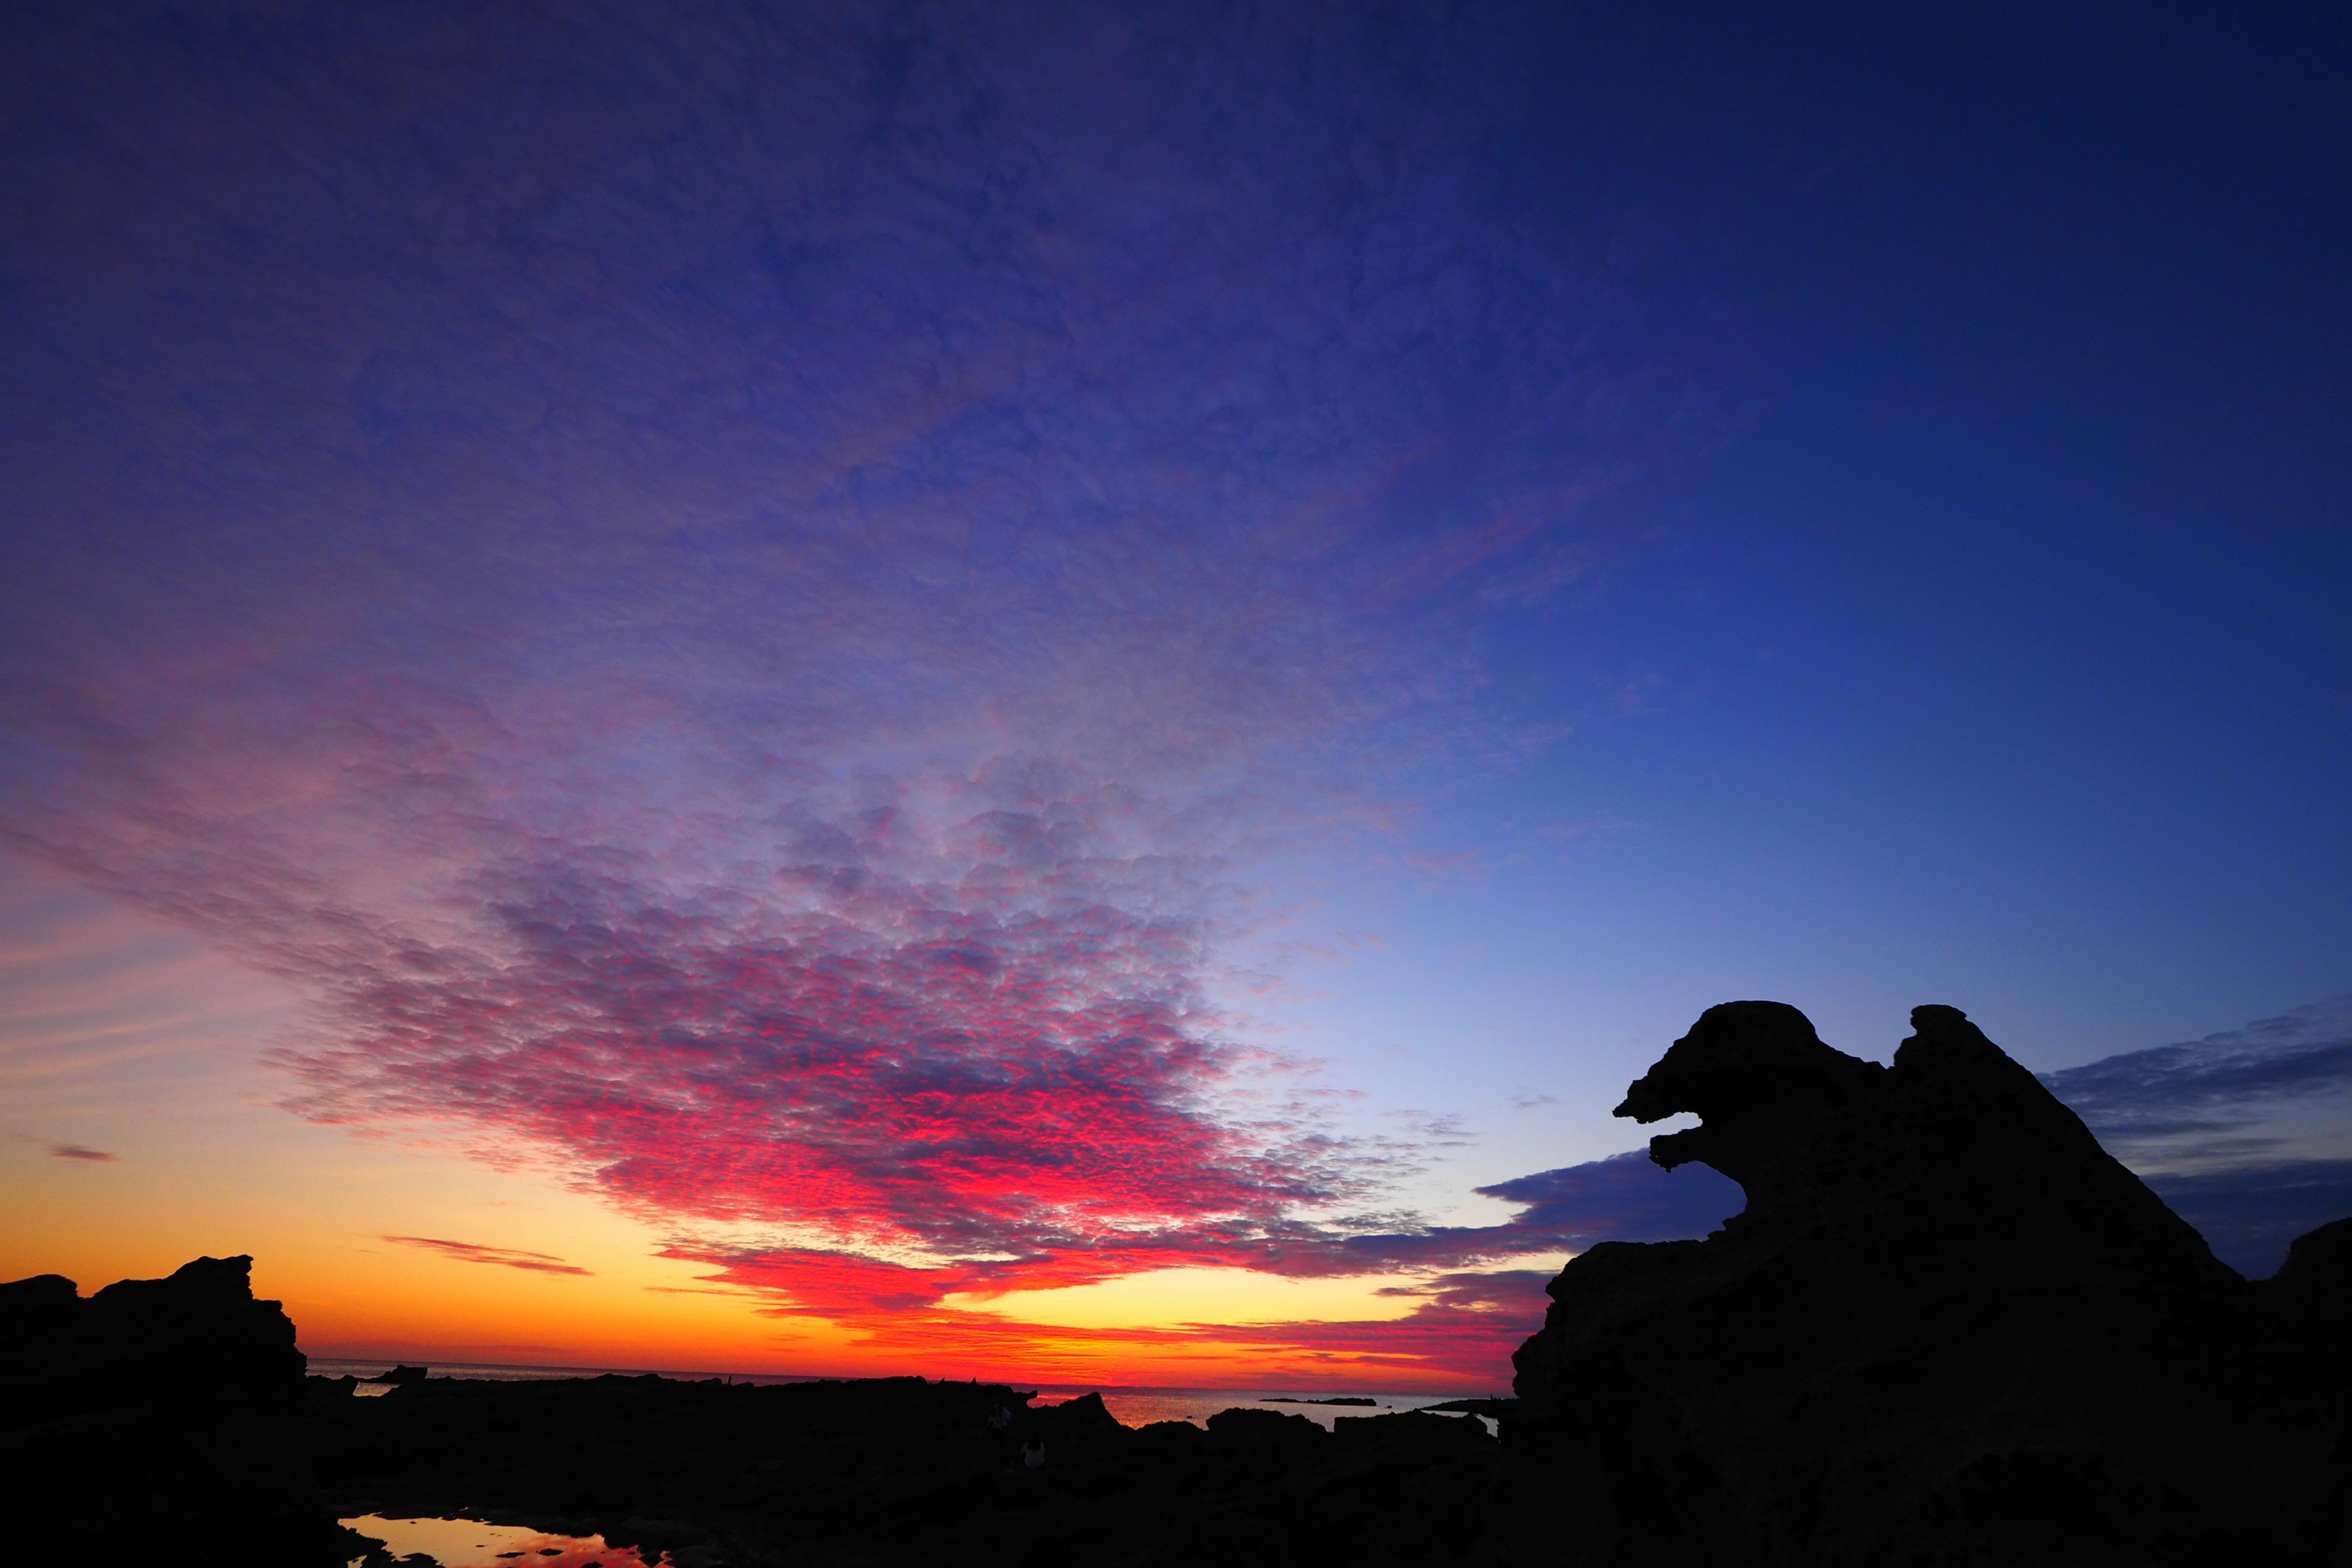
(1949, 1328)
(893, 1471)
(2315, 1284)
(154, 1408)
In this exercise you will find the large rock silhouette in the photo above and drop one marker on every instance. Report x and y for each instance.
(1949, 1328)
(157, 1418)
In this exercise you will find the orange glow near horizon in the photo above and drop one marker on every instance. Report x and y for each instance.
(163, 1140)
(364, 1297)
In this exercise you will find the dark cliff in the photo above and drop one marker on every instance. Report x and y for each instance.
(1949, 1328)
(159, 1416)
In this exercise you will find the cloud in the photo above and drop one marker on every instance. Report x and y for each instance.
(467, 1252)
(1624, 1198)
(1515, 1290)
(734, 602)
(1004, 1061)
(76, 1151)
(1465, 1327)
(1463, 1330)
(2227, 1098)
(2247, 1134)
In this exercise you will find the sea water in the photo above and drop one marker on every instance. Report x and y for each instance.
(1141, 1407)
(1129, 1406)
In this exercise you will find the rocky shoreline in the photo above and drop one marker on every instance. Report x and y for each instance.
(1948, 1329)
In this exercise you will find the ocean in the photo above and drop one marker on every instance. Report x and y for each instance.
(1129, 1406)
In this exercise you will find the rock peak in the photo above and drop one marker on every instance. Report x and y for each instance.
(1949, 1328)
(1759, 1077)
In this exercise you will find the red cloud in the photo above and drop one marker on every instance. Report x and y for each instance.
(967, 1061)
(1008, 1065)
(1004, 1081)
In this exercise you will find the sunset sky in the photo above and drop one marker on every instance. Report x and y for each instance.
(1063, 691)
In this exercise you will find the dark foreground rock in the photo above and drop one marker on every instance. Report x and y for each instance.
(159, 1418)
(898, 1470)
(1949, 1328)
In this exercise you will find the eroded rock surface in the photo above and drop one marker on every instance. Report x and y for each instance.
(1949, 1328)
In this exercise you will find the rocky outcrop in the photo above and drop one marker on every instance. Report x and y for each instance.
(892, 1471)
(1949, 1328)
(158, 1417)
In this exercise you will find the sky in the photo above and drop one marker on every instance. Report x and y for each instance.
(1062, 691)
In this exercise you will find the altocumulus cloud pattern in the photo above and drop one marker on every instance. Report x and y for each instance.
(729, 592)
(734, 593)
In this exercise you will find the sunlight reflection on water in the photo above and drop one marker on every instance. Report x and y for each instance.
(474, 1543)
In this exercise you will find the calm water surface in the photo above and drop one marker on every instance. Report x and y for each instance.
(1130, 1407)
(1141, 1407)
(473, 1544)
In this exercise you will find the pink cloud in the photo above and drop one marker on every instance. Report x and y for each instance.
(1026, 1068)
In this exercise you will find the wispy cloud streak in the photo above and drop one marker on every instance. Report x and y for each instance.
(510, 1257)
(2246, 1134)
(2226, 1099)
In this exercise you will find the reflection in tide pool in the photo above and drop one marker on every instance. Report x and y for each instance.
(471, 1544)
